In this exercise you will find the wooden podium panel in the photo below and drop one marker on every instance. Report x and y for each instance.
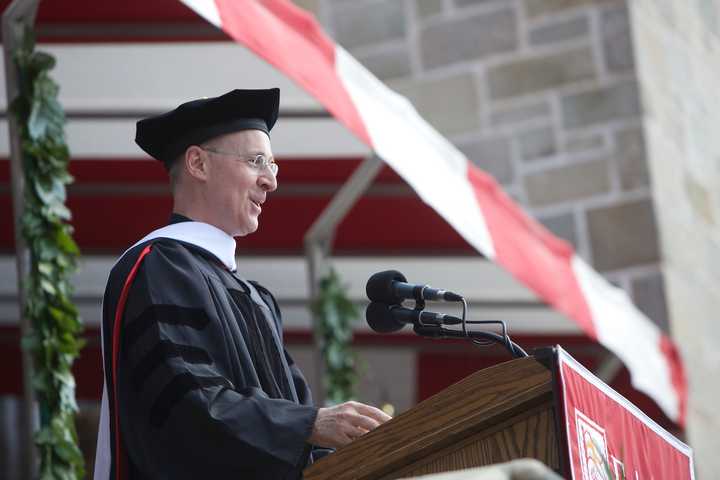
(529, 437)
(501, 413)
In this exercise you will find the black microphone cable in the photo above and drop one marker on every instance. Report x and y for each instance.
(486, 339)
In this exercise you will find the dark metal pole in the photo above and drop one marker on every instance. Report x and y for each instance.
(15, 19)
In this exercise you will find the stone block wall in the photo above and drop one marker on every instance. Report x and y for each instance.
(543, 95)
(678, 65)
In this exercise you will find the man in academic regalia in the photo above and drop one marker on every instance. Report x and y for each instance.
(197, 381)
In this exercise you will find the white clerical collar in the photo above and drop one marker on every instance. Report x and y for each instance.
(200, 234)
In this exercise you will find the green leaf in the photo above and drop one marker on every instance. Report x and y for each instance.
(63, 262)
(46, 268)
(50, 192)
(67, 451)
(48, 287)
(58, 210)
(66, 243)
(45, 117)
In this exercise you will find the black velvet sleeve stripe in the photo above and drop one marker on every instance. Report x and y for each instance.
(267, 297)
(169, 314)
(161, 352)
(176, 390)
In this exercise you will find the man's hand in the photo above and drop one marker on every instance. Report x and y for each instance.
(339, 425)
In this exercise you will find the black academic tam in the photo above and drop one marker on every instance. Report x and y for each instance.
(205, 388)
(168, 135)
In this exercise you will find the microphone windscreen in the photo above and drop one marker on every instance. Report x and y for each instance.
(381, 319)
(379, 287)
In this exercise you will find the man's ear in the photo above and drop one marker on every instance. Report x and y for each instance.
(196, 163)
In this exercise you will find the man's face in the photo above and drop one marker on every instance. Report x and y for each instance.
(235, 189)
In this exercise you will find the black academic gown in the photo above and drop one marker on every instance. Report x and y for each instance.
(205, 387)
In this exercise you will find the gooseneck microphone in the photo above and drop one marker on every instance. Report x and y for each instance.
(390, 318)
(390, 287)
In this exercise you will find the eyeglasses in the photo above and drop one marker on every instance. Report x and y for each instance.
(257, 162)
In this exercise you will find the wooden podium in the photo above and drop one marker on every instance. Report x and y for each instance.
(501, 413)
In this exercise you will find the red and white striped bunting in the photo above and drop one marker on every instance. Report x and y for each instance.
(466, 197)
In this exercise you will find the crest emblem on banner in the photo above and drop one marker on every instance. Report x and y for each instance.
(592, 443)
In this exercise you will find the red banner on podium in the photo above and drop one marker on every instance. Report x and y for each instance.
(610, 438)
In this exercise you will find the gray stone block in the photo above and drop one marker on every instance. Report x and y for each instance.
(428, 8)
(537, 143)
(519, 114)
(617, 40)
(648, 293)
(623, 235)
(468, 38)
(601, 105)
(493, 155)
(450, 104)
(584, 143)
(367, 22)
(561, 31)
(528, 75)
(631, 159)
(536, 8)
(562, 225)
(567, 183)
(388, 63)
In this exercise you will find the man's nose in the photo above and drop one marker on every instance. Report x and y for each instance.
(267, 180)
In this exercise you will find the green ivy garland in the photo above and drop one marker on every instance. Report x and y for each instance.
(55, 339)
(335, 314)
